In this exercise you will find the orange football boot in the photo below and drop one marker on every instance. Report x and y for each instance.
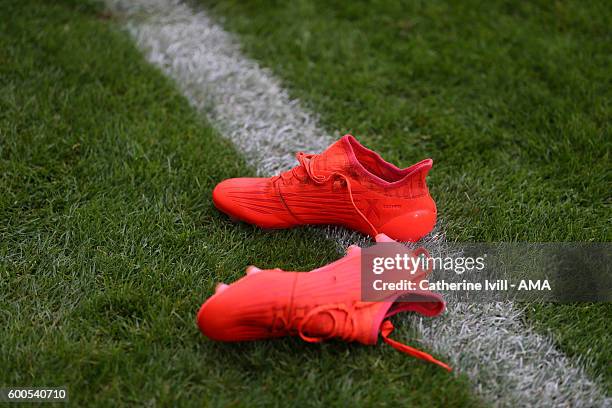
(318, 305)
(347, 185)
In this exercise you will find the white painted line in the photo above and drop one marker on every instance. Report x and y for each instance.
(508, 363)
(246, 103)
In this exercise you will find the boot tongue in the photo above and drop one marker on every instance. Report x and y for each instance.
(334, 159)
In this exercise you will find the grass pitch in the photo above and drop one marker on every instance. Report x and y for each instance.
(109, 241)
(512, 101)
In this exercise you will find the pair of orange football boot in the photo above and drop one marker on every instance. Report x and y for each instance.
(346, 185)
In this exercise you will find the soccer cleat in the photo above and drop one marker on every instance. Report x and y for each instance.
(318, 305)
(347, 185)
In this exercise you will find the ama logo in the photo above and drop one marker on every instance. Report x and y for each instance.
(534, 285)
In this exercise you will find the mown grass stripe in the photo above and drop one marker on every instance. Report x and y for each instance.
(509, 363)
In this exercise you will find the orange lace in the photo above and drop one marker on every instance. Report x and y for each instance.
(387, 328)
(306, 163)
(348, 335)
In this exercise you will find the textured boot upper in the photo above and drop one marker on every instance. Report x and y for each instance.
(318, 305)
(347, 184)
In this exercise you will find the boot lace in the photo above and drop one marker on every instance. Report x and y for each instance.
(306, 162)
(345, 330)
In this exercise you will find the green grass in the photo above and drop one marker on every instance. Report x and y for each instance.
(109, 241)
(511, 100)
(588, 340)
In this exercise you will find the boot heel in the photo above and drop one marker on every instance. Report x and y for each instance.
(410, 227)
